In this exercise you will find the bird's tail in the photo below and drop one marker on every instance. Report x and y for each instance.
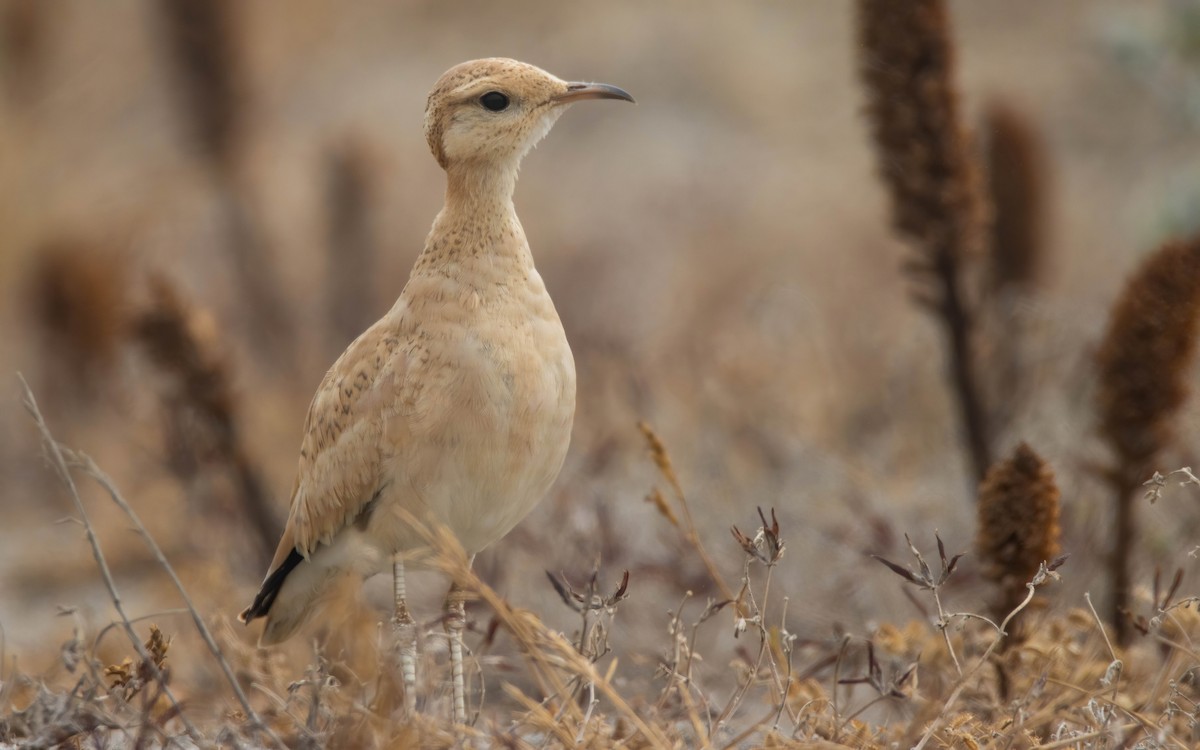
(290, 595)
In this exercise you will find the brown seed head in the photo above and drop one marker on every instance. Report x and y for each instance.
(1018, 523)
(78, 293)
(1016, 170)
(183, 342)
(1146, 353)
(907, 66)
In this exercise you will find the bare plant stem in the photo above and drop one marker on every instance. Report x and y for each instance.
(546, 651)
(678, 644)
(943, 623)
(59, 462)
(837, 680)
(1079, 738)
(89, 467)
(764, 645)
(787, 685)
(754, 727)
(1120, 561)
(104, 631)
(958, 326)
(690, 535)
(1087, 597)
(962, 681)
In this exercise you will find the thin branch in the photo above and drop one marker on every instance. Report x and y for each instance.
(962, 681)
(59, 462)
(89, 467)
(150, 616)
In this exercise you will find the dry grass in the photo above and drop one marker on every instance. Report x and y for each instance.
(955, 682)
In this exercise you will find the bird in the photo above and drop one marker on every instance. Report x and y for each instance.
(456, 407)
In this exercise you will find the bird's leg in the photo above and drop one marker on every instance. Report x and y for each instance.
(456, 622)
(406, 636)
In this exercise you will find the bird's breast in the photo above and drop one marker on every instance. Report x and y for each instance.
(489, 432)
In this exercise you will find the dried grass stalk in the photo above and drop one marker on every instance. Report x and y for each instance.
(1018, 524)
(59, 460)
(907, 66)
(1143, 365)
(662, 459)
(207, 58)
(202, 419)
(1017, 183)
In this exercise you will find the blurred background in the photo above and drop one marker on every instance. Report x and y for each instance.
(199, 209)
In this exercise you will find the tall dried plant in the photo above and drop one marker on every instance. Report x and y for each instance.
(1143, 364)
(1018, 525)
(1018, 183)
(201, 418)
(202, 40)
(907, 65)
(208, 56)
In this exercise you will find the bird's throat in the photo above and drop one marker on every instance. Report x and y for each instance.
(477, 234)
(480, 189)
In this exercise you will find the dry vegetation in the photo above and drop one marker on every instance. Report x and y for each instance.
(769, 532)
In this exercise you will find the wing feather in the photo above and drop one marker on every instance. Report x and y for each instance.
(342, 453)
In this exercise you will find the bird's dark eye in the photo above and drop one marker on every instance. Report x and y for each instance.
(494, 101)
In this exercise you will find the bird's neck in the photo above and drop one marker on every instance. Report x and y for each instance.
(480, 190)
(477, 233)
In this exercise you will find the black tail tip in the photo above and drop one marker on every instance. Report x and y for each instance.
(270, 589)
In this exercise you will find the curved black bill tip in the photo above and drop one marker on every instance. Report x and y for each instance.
(577, 91)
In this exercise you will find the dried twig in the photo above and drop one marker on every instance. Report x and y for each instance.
(1045, 574)
(64, 459)
(766, 547)
(924, 578)
(89, 467)
(58, 460)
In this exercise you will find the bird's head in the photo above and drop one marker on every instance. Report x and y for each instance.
(492, 111)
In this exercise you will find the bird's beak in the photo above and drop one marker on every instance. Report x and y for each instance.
(577, 91)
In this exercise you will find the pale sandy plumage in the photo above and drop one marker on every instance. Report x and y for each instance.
(456, 406)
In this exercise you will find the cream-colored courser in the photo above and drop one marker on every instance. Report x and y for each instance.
(456, 407)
